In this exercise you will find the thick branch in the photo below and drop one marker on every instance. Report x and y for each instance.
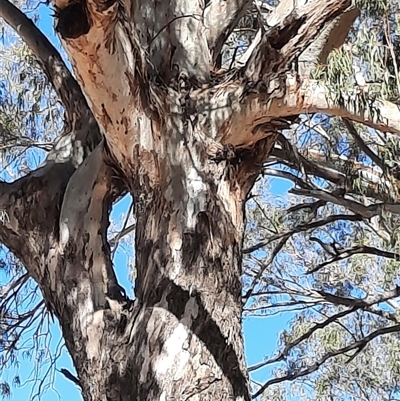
(83, 226)
(357, 250)
(291, 36)
(287, 155)
(331, 37)
(287, 98)
(365, 211)
(50, 60)
(338, 170)
(32, 203)
(379, 114)
(361, 144)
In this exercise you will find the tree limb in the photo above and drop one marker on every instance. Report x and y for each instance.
(358, 345)
(271, 258)
(339, 171)
(303, 337)
(288, 38)
(49, 59)
(71, 377)
(285, 97)
(361, 144)
(361, 303)
(362, 249)
(331, 37)
(365, 211)
(303, 227)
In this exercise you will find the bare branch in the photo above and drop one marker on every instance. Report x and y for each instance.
(71, 377)
(358, 345)
(303, 227)
(296, 342)
(125, 230)
(271, 258)
(314, 206)
(361, 303)
(365, 211)
(394, 317)
(361, 144)
(362, 249)
(288, 176)
(8, 291)
(338, 170)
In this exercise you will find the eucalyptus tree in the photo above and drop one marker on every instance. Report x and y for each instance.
(172, 104)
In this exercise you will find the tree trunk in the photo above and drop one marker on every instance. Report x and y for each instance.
(187, 141)
(181, 338)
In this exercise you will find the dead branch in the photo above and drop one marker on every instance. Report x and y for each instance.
(303, 227)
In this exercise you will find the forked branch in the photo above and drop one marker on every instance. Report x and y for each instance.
(291, 36)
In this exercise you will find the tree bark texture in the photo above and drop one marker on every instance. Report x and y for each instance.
(187, 140)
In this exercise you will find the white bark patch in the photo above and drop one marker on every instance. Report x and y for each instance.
(174, 357)
(197, 193)
(77, 198)
(175, 241)
(64, 234)
(145, 133)
(90, 322)
(126, 44)
(64, 148)
(94, 333)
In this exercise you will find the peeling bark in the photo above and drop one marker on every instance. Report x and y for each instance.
(187, 141)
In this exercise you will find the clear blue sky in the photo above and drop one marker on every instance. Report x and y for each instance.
(261, 334)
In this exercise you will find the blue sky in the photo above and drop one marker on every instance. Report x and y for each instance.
(261, 334)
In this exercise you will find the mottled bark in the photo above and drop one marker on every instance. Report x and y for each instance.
(181, 338)
(187, 141)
